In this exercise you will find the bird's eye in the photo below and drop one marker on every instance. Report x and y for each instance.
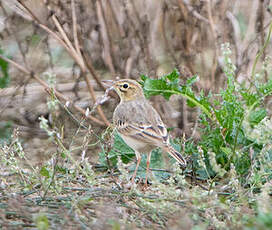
(125, 85)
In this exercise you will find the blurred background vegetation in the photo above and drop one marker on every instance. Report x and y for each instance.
(121, 39)
(54, 55)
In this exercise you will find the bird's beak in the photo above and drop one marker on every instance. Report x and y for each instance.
(108, 83)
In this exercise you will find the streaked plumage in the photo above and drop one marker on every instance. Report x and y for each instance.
(139, 124)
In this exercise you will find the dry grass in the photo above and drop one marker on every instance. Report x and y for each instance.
(62, 50)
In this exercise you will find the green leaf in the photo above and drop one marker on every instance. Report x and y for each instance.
(158, 86)
(5, 132)
(156, 162)
(120, 148)
(61, 170)
(221, 128)
(63, 155)
(4, 76)
(169, 85)
(250, 98)
(190, 104)
(266, 88)
(35, 39)
(42, 222)
(192, 80)
(226, 150)
(44, 172)
(165, 86)
(255, 117)
(174, 76)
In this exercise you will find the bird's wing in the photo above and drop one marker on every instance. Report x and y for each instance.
(148, 133)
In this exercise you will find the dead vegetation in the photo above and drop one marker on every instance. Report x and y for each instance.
(62, 50)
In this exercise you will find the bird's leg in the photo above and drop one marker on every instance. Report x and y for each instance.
(138, 156)
(147, 168)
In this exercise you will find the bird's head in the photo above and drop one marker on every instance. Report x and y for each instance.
(128, 89)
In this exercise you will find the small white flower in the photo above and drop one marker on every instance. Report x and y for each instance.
(67, 103)
(87, 112)
(83, 154)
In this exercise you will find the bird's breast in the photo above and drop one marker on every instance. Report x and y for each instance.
(137, 145)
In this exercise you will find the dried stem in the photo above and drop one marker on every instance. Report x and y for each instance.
(183, 4)
(213, 29)
(106, 38)
(74, 52)
(91, 69)
(48, 89)
(166, 42)
(119, 26)
(144, 27)
(74, 18)
(91, 90)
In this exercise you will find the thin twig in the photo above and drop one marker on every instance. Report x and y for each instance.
(109, 57)
(188, 34)
(193, 11)
(119, 25)
(89, 64)
(144, 28)
(74, 18)
(166, 42)
(49, 90)
(53, 175)
(236, 36)
(46, 28)
(251, 25)
(261, 51)
(89, 85)
(213, 29)
(76, 55)
(70, 48)
(91, 90)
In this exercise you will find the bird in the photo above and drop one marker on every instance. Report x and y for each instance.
(140, 125)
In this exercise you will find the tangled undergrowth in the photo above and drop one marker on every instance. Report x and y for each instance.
(227, 184)
(54, 55)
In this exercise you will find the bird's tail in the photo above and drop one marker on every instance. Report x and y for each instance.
(178, 157)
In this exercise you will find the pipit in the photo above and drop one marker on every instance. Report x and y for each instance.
(140, 125)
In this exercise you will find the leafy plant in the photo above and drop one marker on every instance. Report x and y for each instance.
(169, 85)
(119, 149)
(225, 119)
(4, 75)
(230, 124)
(5, 129)
(5, 132)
